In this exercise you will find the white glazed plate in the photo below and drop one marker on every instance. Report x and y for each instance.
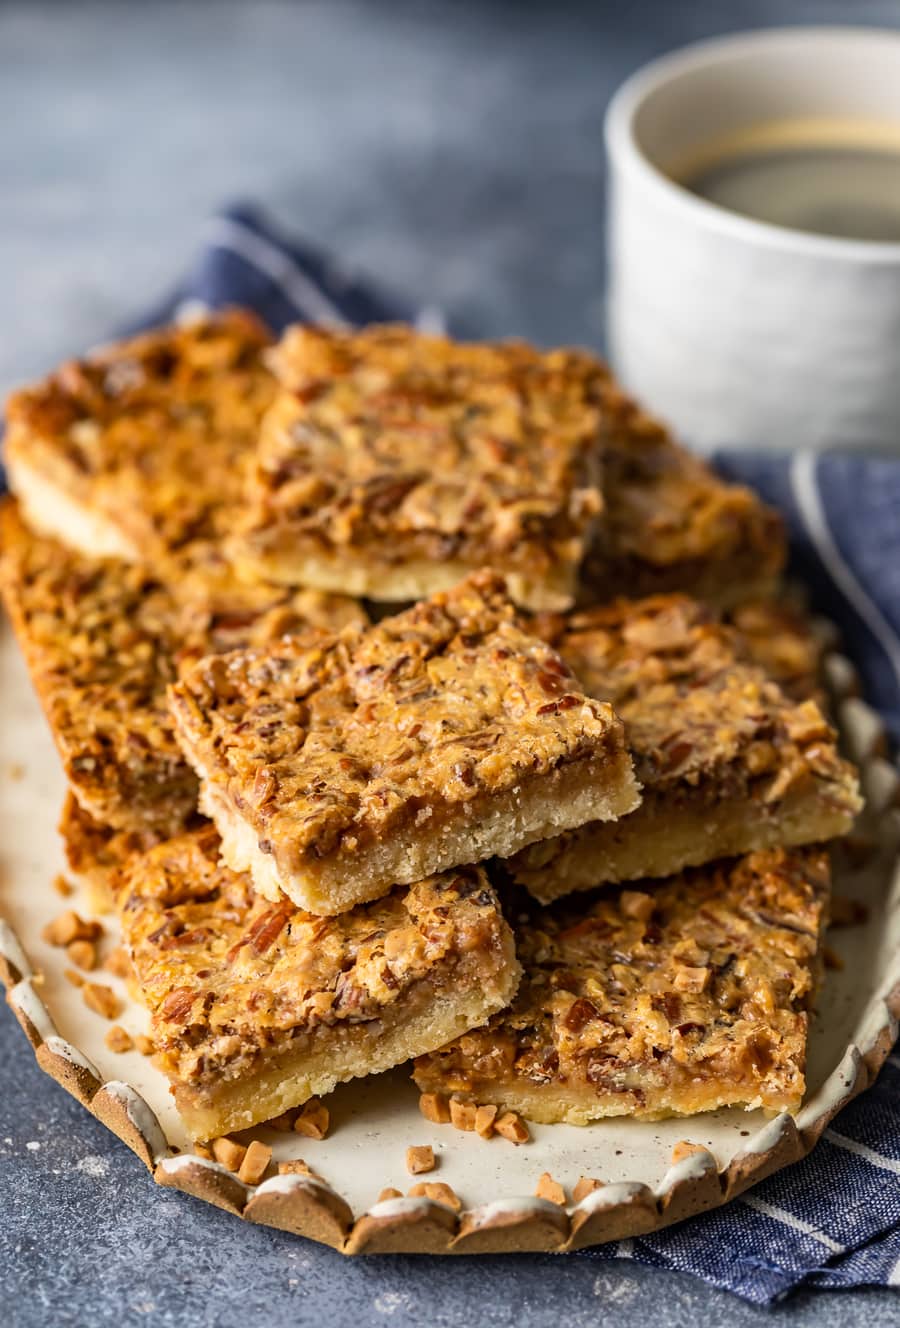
(375, 1120)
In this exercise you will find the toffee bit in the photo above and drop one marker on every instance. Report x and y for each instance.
(144, 1044)
(462, 1114)
(435, 1107)
(389, 1193)
(68, 927)
(62, 886)
(420, 1158)
(228, 1152)
(511, 1126)
(118, 1039)
(485, 1116)
(295, 1166)
(103, 1000)
(254, 1163)
(683, 1149)
(83, 954)
(437, 1192)
(313, 1120)
(551, 1190)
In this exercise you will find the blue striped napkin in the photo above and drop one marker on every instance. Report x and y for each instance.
(832, 1220)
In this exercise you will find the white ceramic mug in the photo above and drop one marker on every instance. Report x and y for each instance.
(737, 332)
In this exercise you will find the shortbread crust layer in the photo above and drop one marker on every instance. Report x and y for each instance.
(675, 997)
(256, 1008)
(442, 735)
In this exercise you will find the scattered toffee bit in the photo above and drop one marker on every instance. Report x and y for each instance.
(255, 1163)
(419, 1159)
(683, 1149)
(389, 1193)
(462, 1114)
(203, 1150)
(144, 1044)
(72, 975)
(551, 1190)
(295, 1166)
(511, 1126)
(485, 1117)
(437, 1192)
(103, 1000)
(62, 886)
(119, 1039)
(313, 1120)
(83, 954)
(435, 1107)
(228, 1152)
(68, 927)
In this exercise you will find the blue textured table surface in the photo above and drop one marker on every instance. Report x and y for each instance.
(455, 150)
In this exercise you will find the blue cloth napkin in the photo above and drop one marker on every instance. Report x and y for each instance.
(832, 1220)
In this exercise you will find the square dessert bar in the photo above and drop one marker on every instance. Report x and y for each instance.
(727, 761)
(256, 1008)
(443, 735)
(670, 523)
(679, 996)
(142, 446)
(393, 463)
(102, 640)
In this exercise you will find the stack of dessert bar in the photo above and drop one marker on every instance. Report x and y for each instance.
(560, 847)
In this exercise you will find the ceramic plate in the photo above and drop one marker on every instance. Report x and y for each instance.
(375, 1120)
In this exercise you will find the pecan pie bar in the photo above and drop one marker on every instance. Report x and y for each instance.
(670, 523)
(255, 1008)
(142, 446)
(442, 735)
(102, 639)
(393, 463)
(679, 996)
(728, 763)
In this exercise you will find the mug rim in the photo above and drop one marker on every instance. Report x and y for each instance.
(625, 152)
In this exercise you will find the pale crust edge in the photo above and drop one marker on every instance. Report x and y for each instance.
(316, 1211)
